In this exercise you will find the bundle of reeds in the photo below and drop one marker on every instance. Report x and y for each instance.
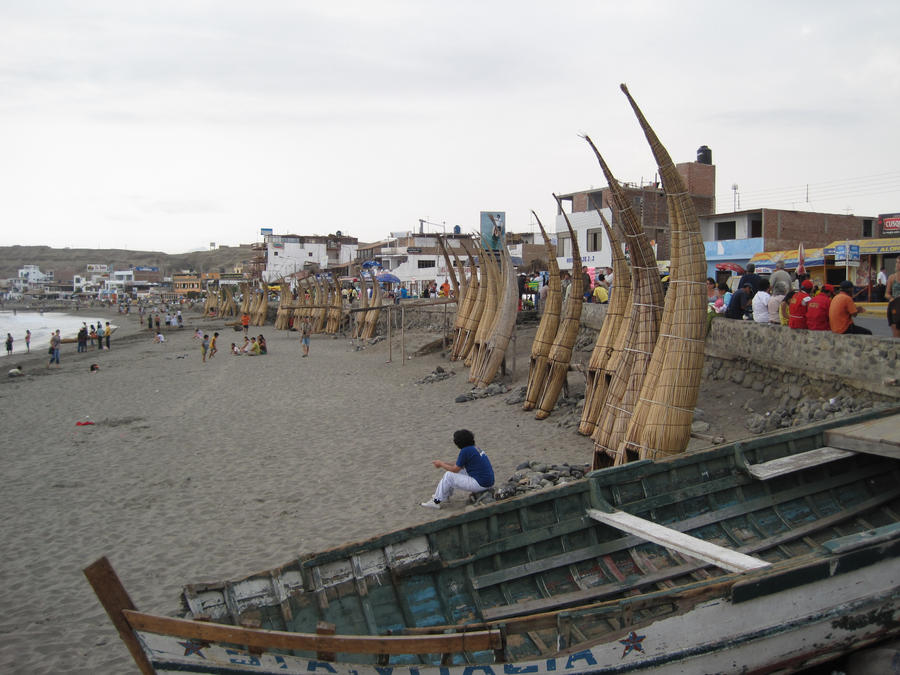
(546, 332)
(560, 355)
(461, 276)
(320, 309)
(262, 306)
(454, 283)
(641, 329)
(228, 307)
(375, 311)
(661, 423)
(210, 303)
(246, 297)
(611, 335)
(336, 309)
(469, 314)
(306, 297)
(504, 324)
(360, 317)
(490, 271)
(282, 315)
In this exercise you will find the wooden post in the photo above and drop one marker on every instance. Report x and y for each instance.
(325, 628)
(112, 595)
(390, 346)
(402, 335)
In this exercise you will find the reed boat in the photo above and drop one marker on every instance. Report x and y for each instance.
(774, 553)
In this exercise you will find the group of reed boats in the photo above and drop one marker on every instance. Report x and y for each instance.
(773, 553)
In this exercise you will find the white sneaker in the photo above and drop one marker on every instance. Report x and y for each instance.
(431, 504)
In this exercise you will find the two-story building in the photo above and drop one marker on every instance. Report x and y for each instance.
(288, 254)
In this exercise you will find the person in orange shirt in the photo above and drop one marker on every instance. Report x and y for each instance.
(245, 322)
(842, 311)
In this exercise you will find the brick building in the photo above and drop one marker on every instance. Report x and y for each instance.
(649, 200)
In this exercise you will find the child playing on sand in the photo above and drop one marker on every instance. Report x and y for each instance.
(235, 350)
(212, 345)
(159, 338)
(204, 346)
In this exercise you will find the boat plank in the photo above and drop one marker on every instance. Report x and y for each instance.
(877, 437)
(798, 462)
(679, 541)
(351, 644)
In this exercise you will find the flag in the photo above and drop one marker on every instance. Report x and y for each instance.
(801, 260)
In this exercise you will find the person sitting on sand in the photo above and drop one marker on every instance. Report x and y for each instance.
(472, 471)
(253, 349)
(15, 371)
(198, 334)
(246, 346)
(263, 347)
(159, 338)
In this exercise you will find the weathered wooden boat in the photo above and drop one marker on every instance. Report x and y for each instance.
(774, 553)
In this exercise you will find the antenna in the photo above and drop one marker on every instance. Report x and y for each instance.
(737, 199)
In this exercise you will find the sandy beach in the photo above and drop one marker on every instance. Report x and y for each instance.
(205, 471)
(198, 471)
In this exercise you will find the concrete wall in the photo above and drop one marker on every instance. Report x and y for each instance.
(862, 361)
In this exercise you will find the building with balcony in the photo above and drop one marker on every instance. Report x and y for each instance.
(282, 255)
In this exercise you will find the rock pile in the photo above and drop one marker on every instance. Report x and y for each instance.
(436, 375)
(531, 476)
(493, 389)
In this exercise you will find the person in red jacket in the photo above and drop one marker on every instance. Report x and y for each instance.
(798, 306)
(817, 309)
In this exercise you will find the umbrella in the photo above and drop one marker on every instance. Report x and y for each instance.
(388, 278)
(730, 267)
(801, 260)
(370, 263)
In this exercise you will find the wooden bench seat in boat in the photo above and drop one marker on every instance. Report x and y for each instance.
(792, 463)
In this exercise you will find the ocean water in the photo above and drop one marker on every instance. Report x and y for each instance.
(41, 326)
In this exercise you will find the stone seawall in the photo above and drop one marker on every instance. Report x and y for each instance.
(864, 362)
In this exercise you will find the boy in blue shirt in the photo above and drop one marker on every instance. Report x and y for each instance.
(471, 472)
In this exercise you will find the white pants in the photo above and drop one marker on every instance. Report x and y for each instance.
(451, 481)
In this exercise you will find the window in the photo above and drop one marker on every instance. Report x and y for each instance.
(755, 228)
(726, 230)
(423, 264)
(595, 240)
(867, 227)
(563, 245)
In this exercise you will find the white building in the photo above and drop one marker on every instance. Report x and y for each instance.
(290, 253)
(593, 244)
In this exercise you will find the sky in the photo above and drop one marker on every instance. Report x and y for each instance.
(169, 125)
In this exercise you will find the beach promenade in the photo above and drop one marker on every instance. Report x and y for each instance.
(196, 471)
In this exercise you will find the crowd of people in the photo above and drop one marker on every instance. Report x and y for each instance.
(796, 302)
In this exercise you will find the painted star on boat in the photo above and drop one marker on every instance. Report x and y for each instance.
(632, 643)
(192, 647)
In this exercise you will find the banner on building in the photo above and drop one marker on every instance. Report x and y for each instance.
(890, 224)
(493, 229)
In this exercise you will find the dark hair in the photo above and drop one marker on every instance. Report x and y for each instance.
(722, 286)
(710, 280)
(463, 438)
(763, 284)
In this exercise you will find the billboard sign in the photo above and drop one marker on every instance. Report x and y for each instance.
(890, 224)
(840, 252)
(493, 229)
(264, 231)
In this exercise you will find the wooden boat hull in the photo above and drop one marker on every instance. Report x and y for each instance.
(810, 623)
(775, 552)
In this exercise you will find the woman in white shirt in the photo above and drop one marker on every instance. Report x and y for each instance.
(761, 302)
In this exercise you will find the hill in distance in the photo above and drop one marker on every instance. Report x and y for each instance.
(74, 260)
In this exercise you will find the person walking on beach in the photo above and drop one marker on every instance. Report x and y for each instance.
(28, 341)
(212, 345)
(55, 341)
(107, 332)
(305, 330)
(204, 347)
(9, 344)
(471, 472)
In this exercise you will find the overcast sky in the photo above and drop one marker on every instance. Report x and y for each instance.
(168, 125)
